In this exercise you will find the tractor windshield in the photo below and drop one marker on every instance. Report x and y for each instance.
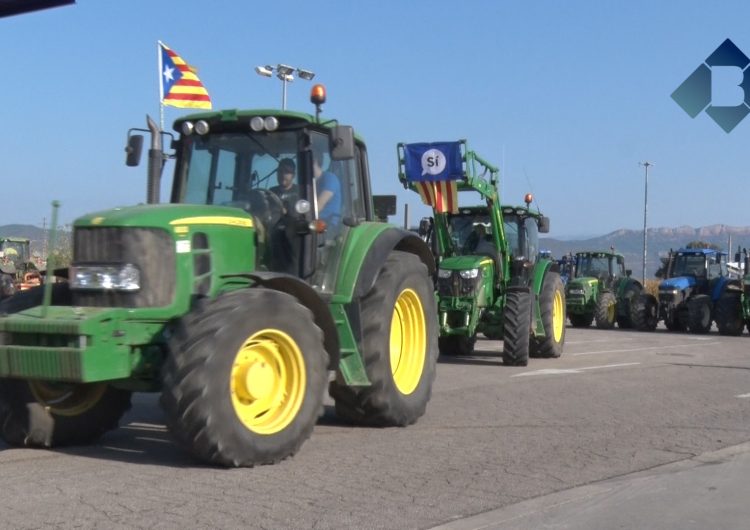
(240, 169)
(470, 232)
(593, 265)
(16, 252)
(688, 265)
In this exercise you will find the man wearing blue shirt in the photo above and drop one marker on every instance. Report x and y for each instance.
(329, 195)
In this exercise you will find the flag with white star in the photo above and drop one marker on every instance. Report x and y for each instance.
(180, 86)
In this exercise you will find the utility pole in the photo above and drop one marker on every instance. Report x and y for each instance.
(646, 165)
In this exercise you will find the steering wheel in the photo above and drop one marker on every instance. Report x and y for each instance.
(266, 205)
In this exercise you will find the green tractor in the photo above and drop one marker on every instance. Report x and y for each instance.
(490, 278)
(732, 308)
(238, 307)
(601, 290)
(17, 270)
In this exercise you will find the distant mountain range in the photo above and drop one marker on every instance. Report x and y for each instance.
(627, 242)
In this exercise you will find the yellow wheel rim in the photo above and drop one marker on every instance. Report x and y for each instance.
(67, 399)
(558, 319)
(408, 341)
(268, 381)
(611, 312)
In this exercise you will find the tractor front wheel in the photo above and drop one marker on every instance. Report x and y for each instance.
(456, 345)
(552, 309)
(517, 326)
(399, 347)
(606, 310)
(699, 314)
(244, 380)
(48, 414)
(625, 304)
(644, 312)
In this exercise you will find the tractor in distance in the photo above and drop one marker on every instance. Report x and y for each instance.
(17, 270)
(239, 307)
(601, 290)
(695, 279)
(490, 277)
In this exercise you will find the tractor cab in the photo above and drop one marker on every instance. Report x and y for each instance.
(605, 266)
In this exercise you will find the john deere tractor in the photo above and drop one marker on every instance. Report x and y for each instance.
(490, 279)
(695, 280)
(601, 290)
(17, 271)
(732, 309)
(231, 303)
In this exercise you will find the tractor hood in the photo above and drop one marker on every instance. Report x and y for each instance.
(584, 284)
(677, 284)
(462, 263)
(167, 216)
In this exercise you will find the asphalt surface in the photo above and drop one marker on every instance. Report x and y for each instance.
(499, 447)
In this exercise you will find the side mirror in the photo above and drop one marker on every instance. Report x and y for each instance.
(133, 150)
(342, 142)
(383, 206)
(424, 226)
(544, 225)
(628, 272)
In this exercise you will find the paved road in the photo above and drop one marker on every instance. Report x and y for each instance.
(494, 438)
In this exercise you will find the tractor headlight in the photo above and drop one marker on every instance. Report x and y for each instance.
(106, 277)
(469, 274)
(444, 273)
(576, 291)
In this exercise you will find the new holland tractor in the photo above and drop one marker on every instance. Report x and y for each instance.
(17, 271)
(490, 278)
(695, 280)
(601, 291)
(231, 303)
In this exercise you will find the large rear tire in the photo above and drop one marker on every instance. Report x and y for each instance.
(644, 313)
(243, 385)
(606, 310)
(699, 314)
(399, 347)
(729, 314)
(517, 326)
(552, 307)
(625, 305)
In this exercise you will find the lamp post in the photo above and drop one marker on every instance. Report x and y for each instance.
(646, 165)
(285, 73)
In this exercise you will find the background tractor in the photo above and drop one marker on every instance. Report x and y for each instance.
(695, 281)
(228, 302)
(490, 279)
(732, 309)
(17, 270)
(601, 290)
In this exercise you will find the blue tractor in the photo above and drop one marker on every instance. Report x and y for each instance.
(694, 280)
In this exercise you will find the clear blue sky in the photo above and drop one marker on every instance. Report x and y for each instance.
(567, 96)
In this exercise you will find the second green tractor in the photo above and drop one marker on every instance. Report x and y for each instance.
(601, 291)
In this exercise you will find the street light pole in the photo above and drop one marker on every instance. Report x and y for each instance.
(646, 165)
(285, 73)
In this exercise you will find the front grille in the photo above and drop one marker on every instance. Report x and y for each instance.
(150, 249)
(457, 286)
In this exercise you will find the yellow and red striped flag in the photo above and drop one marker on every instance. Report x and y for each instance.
(441, 195)
(180, 86)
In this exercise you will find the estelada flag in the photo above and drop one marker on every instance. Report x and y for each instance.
(434, 169)
(180, 86)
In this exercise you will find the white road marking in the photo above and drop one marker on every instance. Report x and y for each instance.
(743, 396)
(597, 340)
(645, 348)
(560, 371)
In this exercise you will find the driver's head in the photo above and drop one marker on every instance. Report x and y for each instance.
(285, 173)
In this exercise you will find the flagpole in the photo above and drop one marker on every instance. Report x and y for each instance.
(161, 85)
